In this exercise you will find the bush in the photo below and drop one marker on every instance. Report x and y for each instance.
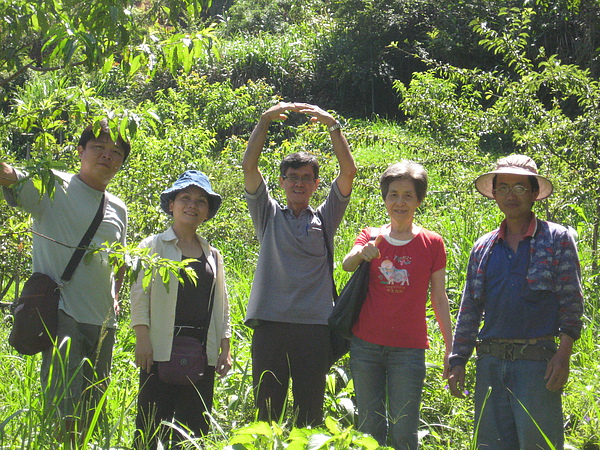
(252, 17)
(286, 62)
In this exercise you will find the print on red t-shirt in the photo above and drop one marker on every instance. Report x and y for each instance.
(394, 312)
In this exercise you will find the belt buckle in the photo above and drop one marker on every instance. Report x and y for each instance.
(509, 351)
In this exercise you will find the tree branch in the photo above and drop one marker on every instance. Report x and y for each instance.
(37, 69)
(14, 75)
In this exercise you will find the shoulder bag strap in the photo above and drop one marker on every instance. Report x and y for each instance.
(374, 233)
(85, 240)
(329, 256)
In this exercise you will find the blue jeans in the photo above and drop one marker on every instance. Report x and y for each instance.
(388, 373)
(505, 423)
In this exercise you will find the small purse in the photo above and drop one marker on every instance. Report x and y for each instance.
(188, 361)
(346, 306)
(35, 315)
(187, 364)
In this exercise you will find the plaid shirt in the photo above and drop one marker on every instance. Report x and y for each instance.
(554, 266)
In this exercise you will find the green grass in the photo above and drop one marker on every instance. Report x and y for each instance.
(452, 208)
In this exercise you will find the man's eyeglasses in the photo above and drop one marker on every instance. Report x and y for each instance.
(306, 179)
(504, 190)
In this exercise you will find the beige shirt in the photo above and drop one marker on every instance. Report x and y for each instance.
(156, 306)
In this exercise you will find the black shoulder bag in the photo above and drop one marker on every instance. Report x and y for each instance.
(35, 312)
(348, 304)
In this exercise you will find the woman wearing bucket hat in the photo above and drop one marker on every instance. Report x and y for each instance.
(181, 325)
(524, 278)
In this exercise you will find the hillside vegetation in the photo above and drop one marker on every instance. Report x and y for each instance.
(487, 82)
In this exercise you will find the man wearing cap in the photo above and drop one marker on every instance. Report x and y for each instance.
(524, 279)
(87, 305)
(291, 296)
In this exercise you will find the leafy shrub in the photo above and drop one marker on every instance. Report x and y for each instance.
(356, 66)
(442, 108)
(284, 61)
(269, 16)
(217, 106)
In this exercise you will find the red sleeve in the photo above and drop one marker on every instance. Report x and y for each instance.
(363, 237)
(440, 254)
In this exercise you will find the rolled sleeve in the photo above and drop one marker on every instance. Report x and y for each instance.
(469, 319)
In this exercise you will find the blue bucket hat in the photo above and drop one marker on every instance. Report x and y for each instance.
(191, 178)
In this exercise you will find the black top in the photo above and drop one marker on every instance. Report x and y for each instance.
(192, 300)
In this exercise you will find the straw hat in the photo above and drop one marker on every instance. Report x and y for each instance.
(515, 165)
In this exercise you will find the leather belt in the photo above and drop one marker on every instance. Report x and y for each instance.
(190, 331)
(532, 341)
(512, 350)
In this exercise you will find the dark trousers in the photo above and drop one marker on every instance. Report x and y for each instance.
(159, 401)
(75, 376)
(281, 351)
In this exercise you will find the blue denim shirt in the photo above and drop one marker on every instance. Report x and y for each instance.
(553, 266)
(507, 295)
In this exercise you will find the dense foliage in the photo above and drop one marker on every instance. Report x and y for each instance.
(355, 67)
(540, 106)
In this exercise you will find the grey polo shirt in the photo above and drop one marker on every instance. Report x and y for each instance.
(292, 282)
(89, 296)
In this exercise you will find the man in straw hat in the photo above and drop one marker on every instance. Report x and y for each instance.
(524, 278)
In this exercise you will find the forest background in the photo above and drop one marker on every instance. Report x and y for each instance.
(450, 84)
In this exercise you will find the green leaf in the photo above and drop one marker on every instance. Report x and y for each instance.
(108, 64)
(134, 65)
(147, 279)
(332, 425)
(165, 275)
(258, 428)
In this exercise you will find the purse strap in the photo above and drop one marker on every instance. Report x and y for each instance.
(85, 240)
(330, 253)
(211, 301)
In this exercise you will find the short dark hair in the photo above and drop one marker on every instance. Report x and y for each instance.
(533, 181)
(88, 135)
(405, 170)
(297, 160)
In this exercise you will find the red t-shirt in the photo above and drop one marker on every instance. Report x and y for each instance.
(394, 311)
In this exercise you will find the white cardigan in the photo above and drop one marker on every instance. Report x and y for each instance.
(156, 306)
